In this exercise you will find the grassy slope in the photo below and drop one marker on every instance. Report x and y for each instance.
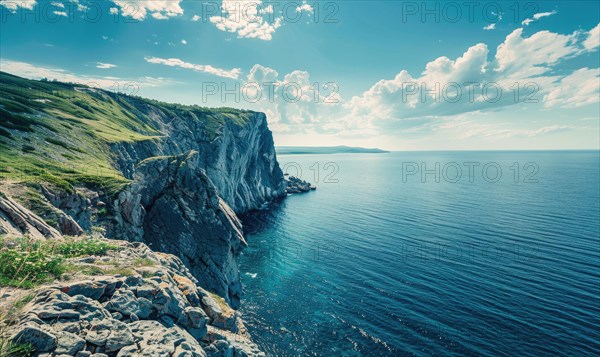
(59, 133)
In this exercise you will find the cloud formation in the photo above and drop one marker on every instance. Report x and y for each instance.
(245, 19)
(536, 17)
(32, 71)
(15, 5)
(176, 62)
(158, 9)
(522, 70)
(105, 65)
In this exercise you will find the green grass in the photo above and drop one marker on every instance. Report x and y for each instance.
(84, 247)
(26, 263)
(10, 349)
(143, 262)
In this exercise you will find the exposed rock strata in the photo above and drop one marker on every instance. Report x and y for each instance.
(16, 219)
(157, 311)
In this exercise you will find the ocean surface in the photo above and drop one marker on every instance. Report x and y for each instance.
(501, 257)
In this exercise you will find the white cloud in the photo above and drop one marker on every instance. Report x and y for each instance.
(58, 4)
(246, 20)
(158, 9)
(15, 5)
(105, 65)
(537, 16)
(60, 13)
(593, 40)
(196, 18)
(175, 62)
(184, 42)
(522, 57)
(32, 71)
(496, 131)
(267, 10)
(113, 11)
(490, 27)
(305, 7)
(292, 102)
(575, 90)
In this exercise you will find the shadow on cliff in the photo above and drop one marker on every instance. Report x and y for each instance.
(256, 221)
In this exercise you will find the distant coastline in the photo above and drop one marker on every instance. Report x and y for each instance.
(298, 150)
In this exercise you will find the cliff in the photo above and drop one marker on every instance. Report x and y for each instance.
(76, 160)
(89, 158)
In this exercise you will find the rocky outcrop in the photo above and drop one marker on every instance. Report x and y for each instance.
(174, 207)
(239, 157)
(75, 205)
(158, 310)
(17, 220)
(296, 185)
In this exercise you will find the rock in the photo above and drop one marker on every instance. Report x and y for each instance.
(41, 340)
(296, 185)
(196, 317)
(16, 219)
(158, 340)
(133, 317)
(88, 289)
(69, 344)
(123, 301)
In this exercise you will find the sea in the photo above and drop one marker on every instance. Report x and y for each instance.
(429, 254)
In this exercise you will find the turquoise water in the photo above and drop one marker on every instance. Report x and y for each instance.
(383, 264)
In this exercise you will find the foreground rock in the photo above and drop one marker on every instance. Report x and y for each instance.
(157, 310)
(296, 185)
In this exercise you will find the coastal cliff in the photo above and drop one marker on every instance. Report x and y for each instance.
(78, 161)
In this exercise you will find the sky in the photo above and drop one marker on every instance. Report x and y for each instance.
(398, 75)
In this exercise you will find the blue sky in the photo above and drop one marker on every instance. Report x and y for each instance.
(400, 75)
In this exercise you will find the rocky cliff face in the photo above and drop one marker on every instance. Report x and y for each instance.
(174, 207)
(239, 157)
(190, 183)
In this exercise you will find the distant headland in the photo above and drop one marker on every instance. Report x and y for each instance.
(296, 150)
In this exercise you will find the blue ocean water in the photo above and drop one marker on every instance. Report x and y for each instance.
(381, 261)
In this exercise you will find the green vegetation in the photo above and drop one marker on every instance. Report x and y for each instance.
(143, 262)
(221, 302)
(9, 349)
(95, 270)
(61, 133)
(26, 263)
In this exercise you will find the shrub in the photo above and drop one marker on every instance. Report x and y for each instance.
(26, 263)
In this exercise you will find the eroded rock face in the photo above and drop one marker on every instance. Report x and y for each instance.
(240, 160)
(162, 313)
(174, 207)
